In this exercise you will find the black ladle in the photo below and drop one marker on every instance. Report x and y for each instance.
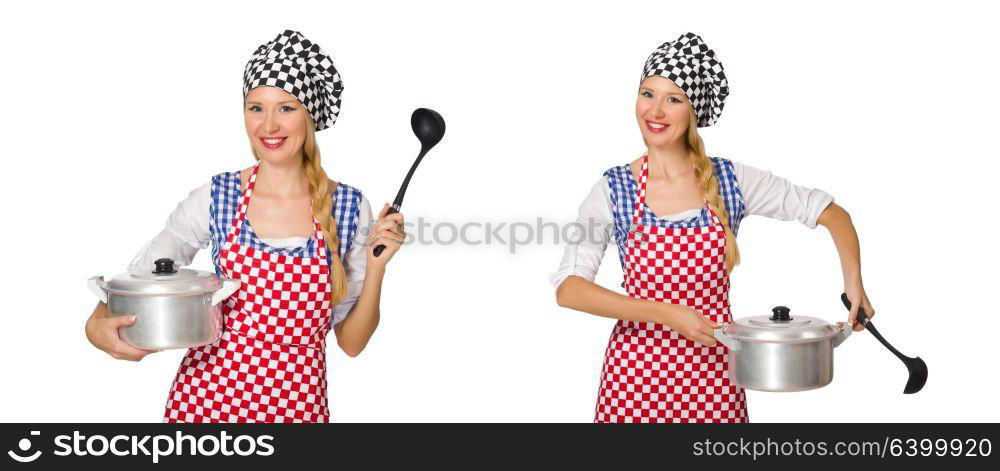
(916, 366)
(428, 126)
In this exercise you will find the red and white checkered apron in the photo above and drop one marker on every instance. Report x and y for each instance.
(270, 363)
(651, 373)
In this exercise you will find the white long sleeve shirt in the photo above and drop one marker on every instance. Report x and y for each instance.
(187, 231)
(764, 194)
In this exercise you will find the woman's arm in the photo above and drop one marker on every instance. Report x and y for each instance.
(185, 232)
(771, 196)
(775, 197)
(845, 238)
(589, 236)
(586, 296)
(575, 288)
(357, 328)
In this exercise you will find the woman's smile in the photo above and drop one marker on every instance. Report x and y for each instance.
(657, 127)
(273, 142)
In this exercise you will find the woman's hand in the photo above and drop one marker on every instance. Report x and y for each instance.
(691, 324)
(102, 332)
(855, 291)
(387, 231)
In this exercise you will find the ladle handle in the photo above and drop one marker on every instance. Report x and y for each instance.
(381, 247)
(406, 181)
(863, 319)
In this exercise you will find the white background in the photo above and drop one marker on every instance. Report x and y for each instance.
(112, 114)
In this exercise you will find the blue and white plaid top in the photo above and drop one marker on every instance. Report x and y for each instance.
(226, 195)
(625, 190)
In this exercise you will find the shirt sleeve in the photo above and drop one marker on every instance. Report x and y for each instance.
(589, 237)
(355, 262)
(185, 232)
(766, 194)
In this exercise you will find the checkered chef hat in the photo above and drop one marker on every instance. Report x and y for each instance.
(298, 66)
(689, 63)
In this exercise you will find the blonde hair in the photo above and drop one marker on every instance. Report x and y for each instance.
(709, 186)
(322, 204)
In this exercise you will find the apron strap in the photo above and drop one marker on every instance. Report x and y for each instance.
(320, 240)
(241, 209)
(715, 217)
(641, 198)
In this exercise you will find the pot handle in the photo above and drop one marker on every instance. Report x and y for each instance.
(96, 285)
(726, 340)
(228, 288)
(845, 331)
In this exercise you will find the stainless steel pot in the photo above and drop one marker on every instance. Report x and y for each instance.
(173, 308)
(781, 352)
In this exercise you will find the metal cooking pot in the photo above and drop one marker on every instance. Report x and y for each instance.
(781, 353)
(173, 308)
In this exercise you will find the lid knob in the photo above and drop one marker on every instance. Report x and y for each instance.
(164, 266)
(780, 314)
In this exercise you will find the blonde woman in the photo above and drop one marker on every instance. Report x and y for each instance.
(674, 214)
(281, 219)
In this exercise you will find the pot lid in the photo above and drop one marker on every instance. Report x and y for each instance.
(781, 327)
(165, 280)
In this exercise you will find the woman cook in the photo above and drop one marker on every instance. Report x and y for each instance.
(674, 214)
(281, 219)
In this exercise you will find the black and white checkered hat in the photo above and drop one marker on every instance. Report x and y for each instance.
(298, 66)
(689, 63)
